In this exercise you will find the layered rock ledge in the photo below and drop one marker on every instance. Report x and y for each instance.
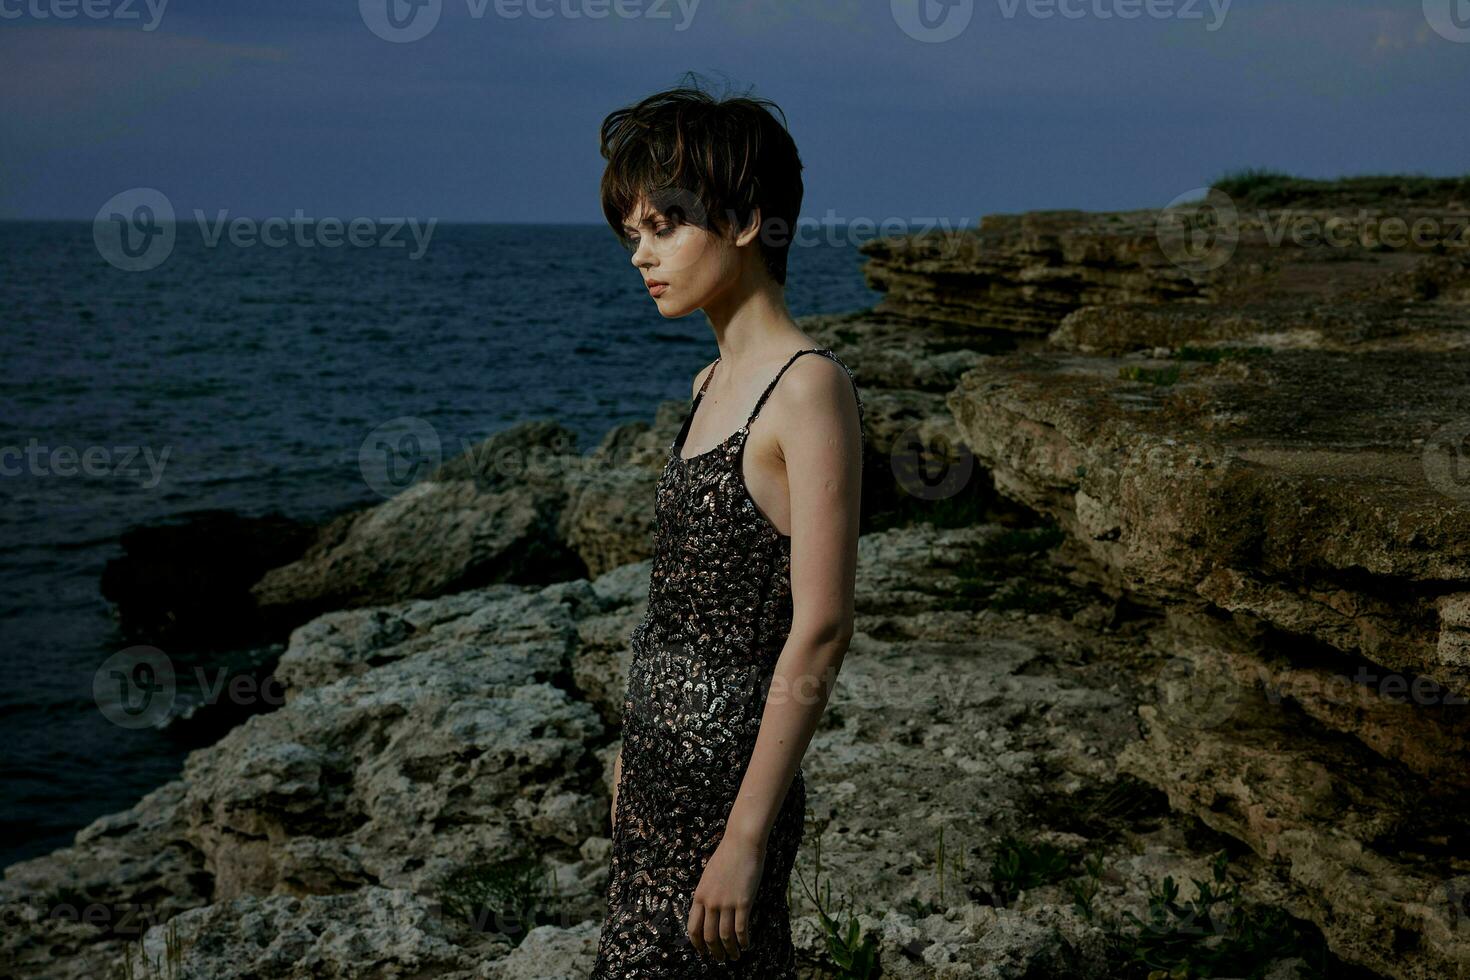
(1277, 458)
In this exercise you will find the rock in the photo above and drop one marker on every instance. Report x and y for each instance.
(454, 751)
(550, 953)
(368, 934)
(1280, 488)
(418, 740)
(352, 642)
(71, 911)
(1360, 841)
(1359, 327)
(485, 517)
(1272, 461)
(610, 521)
(522, 507)
(1022, 273)
(424, 738)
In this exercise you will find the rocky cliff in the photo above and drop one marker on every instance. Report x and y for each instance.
(1276, 457)
(1165, 580)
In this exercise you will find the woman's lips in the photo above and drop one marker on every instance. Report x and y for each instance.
(657, 289)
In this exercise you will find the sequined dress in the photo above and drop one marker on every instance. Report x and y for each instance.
(719, 613)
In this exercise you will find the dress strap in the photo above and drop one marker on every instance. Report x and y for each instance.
(712, 369)
(827, 353)
(771, 387)
(678, 442)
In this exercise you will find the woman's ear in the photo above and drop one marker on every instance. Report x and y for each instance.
(752, 228)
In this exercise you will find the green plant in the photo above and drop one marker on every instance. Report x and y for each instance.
(962, 509)
(957, 864)
(1252, 180)
(1023, 596)
(504, 897)
(975, 587)
(939, 863)
(167, 968)
(971, 587)
(65, 895)
(1117, 804)
(1215, 355)
(1084, 889)
(1020, 864)
(1023, 541)
(1158, 376)
(851, 955)
(1212, 935)
(1256, 187)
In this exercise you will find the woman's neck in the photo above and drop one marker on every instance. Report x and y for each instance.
(750, 324)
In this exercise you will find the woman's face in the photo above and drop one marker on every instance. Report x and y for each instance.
(696, 265)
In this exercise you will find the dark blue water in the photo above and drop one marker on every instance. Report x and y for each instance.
(247, 378)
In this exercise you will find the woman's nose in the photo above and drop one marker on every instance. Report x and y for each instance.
(642, 254)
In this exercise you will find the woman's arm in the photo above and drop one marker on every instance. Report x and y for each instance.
(824, 474)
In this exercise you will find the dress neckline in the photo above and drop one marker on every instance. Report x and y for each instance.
(708, 452)
(678, 447)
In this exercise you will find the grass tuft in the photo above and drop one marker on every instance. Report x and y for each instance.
(1213, 935)
(851, 955)
(1020, 864)
(1157, 376)
(504, 897)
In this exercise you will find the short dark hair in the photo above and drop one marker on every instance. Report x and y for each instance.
(705, 160)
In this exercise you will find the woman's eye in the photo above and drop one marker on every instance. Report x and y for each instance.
(630, 242)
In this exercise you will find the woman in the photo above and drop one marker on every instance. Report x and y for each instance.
(750, 604)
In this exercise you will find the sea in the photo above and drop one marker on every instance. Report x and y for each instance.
(244, 373)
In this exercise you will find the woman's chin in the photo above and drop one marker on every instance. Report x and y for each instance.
(672, 310)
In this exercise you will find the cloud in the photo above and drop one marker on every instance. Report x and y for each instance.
(98, 78)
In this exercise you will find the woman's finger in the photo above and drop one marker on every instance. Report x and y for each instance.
(727, 934)
(742, 926)
(695, 927)
(712, 940)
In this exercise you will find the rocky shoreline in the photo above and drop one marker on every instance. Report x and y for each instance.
(1192, 599)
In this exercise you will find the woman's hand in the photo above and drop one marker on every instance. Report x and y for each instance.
(719, 918)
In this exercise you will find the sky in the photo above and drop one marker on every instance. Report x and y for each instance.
(909, 110)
